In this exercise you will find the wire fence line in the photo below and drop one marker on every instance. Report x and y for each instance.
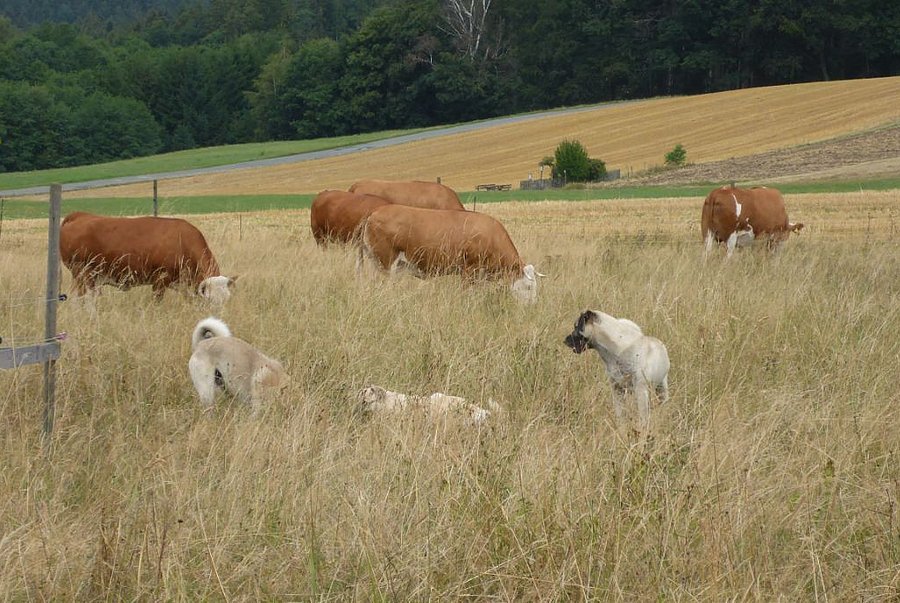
(38, 300)
(44, 350)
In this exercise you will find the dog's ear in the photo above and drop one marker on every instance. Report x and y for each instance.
(587, 317)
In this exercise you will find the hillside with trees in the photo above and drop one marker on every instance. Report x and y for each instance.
(166, 75)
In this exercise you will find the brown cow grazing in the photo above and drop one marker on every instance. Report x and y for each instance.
(337, 215)
(738, 216)
(439, 241)
(126, 252)
(429, 195)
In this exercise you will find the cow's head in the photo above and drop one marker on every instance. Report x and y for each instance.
(216, 289)
(577, 339)
(525, 288)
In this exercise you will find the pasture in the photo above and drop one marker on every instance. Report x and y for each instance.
(773, 472)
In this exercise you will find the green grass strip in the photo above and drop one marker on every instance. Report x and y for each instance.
(128, 206)
(187, 160)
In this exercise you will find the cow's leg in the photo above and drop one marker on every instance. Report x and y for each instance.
(731, 243)
(160, 284)
(360, 258)
(401, 262)
(158, 291)
(80, 285)
(709, 242)
(86, 291)
(776, 241)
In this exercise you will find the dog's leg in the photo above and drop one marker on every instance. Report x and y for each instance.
(642, 398)
(662, 390)
(203, 374)
(618, 397)
(255, 405)
(262, 378)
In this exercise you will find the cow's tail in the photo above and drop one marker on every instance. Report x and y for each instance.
(706, 215)
(72, 217)
(207, 329)
(360, 238)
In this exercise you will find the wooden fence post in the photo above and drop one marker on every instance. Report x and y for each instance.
(155, 200)
(52, 301)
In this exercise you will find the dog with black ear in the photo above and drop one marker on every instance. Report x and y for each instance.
(635, 363)
(222, 362)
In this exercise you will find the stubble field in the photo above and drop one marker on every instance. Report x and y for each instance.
(630, 136)
(773, 472)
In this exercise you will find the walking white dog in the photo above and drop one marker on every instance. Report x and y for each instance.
(634, 362)
(377, 399)
(222, 362)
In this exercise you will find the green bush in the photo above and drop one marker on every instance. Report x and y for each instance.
(572, 163)
(676, 157)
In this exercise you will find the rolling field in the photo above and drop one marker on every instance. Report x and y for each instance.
(631, 136)
(772, 473)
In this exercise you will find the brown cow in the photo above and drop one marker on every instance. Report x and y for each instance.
(440, 241)
(429, 195)
(126, 252)
(737, 216)
(337, 215)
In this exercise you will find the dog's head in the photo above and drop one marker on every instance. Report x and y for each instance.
(577, 340)
(369, 396)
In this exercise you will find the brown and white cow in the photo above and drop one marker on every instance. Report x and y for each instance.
(429, 195)
(438, 241)
(337, 215)
(738, 216)
(127, 252)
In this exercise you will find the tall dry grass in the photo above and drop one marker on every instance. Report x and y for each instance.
(772, 473)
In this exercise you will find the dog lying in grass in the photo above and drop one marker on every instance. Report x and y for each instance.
(635, 363)
(220, 362)
(375, 399)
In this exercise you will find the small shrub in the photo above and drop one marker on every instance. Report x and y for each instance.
(572, 163)
(676, 157)
(598, 170)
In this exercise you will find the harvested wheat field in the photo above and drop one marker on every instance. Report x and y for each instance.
(772, 473)
(630, 136)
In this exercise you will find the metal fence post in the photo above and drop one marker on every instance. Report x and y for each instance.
(155, 200)
(52, 301)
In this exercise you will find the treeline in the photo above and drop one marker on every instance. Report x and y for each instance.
(229, 71)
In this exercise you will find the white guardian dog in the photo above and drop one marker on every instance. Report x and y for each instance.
(220, 362)
(635, 363)
(378, 400)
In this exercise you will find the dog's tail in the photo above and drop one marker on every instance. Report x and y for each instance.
(208, 328)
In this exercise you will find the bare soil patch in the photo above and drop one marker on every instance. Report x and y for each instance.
(868, 154)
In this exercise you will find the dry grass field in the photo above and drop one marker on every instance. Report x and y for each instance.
(772, 474)
(630, 136)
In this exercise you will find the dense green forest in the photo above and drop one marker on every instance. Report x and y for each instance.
(84, 81)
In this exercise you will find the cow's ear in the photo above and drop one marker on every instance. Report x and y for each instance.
(231, 281)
